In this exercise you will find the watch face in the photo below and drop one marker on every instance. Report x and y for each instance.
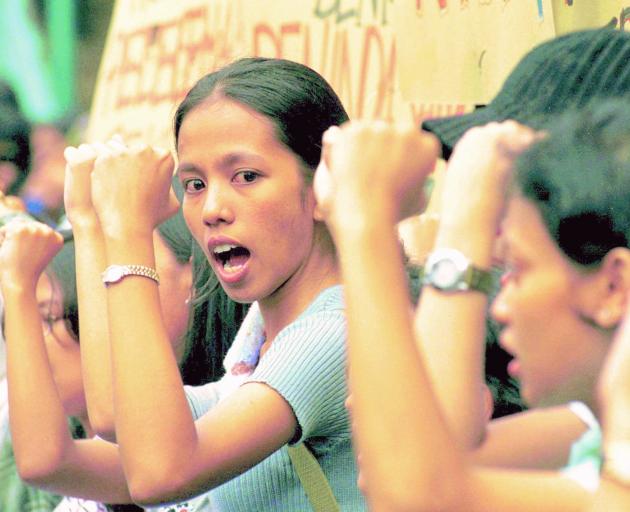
(445, 274)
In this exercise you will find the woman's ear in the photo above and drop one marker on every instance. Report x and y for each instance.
(614, 287)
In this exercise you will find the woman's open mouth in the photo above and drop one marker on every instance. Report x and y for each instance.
(231, 261)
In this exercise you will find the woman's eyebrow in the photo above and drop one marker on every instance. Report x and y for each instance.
(236, 157)
(185, 167)
(227, 161)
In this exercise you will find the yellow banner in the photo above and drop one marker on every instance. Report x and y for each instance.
(462, 50)
(388, 59)
(572, 15)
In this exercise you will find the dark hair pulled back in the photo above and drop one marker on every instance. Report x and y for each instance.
(579, 179)
(297, 99)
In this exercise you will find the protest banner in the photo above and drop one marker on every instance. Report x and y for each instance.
(387, 59)
(462, 50)
(572, 15)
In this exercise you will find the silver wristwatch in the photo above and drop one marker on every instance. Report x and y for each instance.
(115, 273)
(449, 270)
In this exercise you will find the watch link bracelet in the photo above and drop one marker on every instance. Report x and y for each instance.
(115, 273)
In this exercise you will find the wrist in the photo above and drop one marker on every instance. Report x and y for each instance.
(86, 223)
(360, 239)
(454, 218)
(115, 232)
(130, 249)
(16, 286)
(477, 245)
(81, 213)
(359, 213)
(352, 228)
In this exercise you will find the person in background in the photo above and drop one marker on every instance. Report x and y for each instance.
(565, 73)
(566, 230)
(15, 153)
(56, 294)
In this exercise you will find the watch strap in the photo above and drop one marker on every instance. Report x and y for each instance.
(480, 280)
(129, 270)
(471, 278)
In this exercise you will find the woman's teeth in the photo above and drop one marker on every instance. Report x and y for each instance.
(231, 257)
(227, 266)
(223, 248)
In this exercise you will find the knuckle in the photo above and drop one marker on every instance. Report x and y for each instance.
(142, 149)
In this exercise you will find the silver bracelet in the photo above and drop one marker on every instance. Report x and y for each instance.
(115, 273)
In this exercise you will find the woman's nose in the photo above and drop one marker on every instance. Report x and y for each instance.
(216, 208)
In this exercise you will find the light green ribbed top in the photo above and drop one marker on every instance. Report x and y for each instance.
(306, 364)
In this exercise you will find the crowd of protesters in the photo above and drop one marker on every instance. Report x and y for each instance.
(239, 328)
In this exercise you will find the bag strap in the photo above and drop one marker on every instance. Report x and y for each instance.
(313, 480)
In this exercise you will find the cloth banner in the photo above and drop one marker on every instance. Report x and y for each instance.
(387, 59)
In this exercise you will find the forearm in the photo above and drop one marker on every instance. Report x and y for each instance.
(90, 469)
(451, 334)
(154, 426)
(617, 414)
(39, 425)
(611, 496)
(552, 432)
(411, 462)
(614, 490)
(46, 455)
(91, 260)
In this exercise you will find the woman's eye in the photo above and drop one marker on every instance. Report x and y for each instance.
(193, 185)
(245, 176)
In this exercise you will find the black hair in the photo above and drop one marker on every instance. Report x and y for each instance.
(15, 133)
(579, 179)
(214, 322)
(62, 272)
(297, 99)
(214, 317)
(302, 106)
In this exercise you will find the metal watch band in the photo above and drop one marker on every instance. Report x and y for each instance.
(115, 273)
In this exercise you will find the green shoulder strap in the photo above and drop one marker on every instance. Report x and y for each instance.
(313, 480)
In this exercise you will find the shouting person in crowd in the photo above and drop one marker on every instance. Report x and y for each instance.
(565, 232)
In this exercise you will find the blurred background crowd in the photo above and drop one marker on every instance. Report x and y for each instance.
(47, 74)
